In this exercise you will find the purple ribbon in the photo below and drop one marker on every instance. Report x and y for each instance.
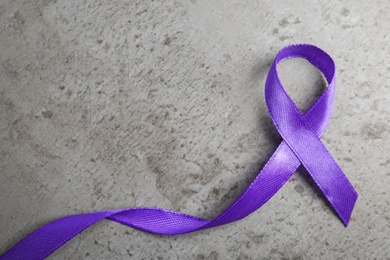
(301, 145)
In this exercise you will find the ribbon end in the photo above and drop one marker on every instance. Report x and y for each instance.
(345, 222)
(345, 216)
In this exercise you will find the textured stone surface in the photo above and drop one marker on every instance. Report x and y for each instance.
(112, 104)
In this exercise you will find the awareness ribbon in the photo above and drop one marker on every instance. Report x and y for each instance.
(301, 145)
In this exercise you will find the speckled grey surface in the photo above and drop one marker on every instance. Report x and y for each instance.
(112, 104)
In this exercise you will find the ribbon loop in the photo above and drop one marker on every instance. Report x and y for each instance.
(300, 136)
(300, 145)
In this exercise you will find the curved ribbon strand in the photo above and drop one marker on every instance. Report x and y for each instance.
(301, 145)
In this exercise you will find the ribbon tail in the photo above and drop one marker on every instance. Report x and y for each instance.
(45, 240)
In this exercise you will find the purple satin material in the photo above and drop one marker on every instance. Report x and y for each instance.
(301, 145)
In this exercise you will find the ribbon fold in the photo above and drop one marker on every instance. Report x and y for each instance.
(301, 145)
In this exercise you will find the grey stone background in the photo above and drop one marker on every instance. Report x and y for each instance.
(112, 104)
